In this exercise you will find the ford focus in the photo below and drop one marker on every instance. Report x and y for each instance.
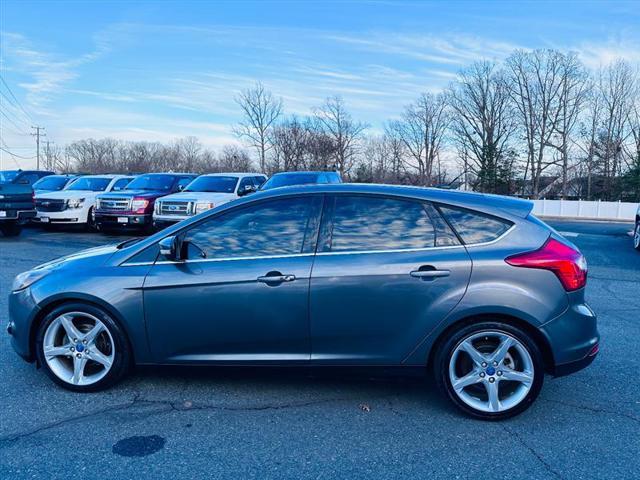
(471, 289)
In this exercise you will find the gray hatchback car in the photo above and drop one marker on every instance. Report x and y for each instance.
(471, 288)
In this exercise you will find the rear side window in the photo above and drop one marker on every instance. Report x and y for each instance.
(475, 227)
(362, 223)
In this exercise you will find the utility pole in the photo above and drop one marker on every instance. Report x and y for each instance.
(38, 135)
(49, 164)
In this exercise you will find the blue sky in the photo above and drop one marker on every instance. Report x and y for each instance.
(161, 70)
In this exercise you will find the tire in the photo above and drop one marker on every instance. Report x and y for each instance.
(522, 360)
(111, 343)
(636, 236)
(10, 229)
(91, 221)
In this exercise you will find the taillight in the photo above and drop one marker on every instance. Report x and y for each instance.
(568, 264)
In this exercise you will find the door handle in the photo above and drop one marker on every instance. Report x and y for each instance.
(430, 273)
(278, 278)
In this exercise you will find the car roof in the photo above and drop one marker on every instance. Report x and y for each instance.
(306, 172)
(233, 174)
(492, 204)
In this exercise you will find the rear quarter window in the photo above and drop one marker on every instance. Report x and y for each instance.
(474, 227)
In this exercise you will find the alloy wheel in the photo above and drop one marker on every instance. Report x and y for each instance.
(636, 236)
(491, 371)
(78, 348)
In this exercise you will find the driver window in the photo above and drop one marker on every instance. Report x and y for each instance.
(275, 227)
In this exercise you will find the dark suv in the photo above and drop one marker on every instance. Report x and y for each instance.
(16, 198)
(133, 207)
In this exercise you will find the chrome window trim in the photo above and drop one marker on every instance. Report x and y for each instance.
(294, 255)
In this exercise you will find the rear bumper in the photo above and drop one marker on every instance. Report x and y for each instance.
(574, 339)
(117, 220)
(21, 216)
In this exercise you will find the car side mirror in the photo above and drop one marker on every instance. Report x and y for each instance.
(169, 248)
(246, 190)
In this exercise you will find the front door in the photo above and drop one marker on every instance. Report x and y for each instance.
(386, 272)
(242, 293)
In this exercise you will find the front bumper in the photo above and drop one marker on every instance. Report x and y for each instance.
(71, 215)
(22, 312)
(574, 339)
(123, 220)
(21, 216)
(163, 221)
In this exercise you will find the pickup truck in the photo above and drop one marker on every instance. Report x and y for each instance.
(204, 193)
(16, 199)
(133, 206)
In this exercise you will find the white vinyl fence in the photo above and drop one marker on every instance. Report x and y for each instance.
(585, 209)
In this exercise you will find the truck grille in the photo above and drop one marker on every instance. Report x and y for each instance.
(169, 207)
(50, 205)
(114, 204)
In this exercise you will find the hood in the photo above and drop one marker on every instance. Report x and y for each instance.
(65, 194)
(214, 197)
(135, 193)
(91, 255)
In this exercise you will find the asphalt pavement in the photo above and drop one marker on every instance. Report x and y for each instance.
(259, 423)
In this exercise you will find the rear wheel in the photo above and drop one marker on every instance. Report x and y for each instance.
(91, 220)
(490, 370)
(81, 348)
(636, 236)
(10, 229)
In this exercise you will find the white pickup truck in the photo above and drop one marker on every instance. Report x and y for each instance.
(204, 193)
(74, 204)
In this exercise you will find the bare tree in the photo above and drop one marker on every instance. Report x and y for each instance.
(290, 140)
(482, 125)
(234, 159)
(535, 85)
(260, 110)
(422, 129)
(345, 133)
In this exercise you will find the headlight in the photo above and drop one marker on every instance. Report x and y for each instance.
(139, 204)
(26, 279)
(75, 202)
(203, 207)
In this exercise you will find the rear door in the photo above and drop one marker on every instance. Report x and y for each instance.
(387, 271)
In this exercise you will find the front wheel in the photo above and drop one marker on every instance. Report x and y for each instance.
(490, 370)
(82, 348)
(636, 236)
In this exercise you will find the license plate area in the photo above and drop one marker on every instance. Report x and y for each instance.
(123, 220)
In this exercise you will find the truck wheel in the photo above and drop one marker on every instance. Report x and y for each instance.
(10, 229)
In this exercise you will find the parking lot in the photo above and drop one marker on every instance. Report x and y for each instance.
(197, 423)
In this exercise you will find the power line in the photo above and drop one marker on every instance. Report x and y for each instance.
(14, 155)
(15, 106)
(14, 97)
(13, 123)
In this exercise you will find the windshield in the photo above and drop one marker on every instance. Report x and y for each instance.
(8, 175)
(94, 184)
(151, 182)
(213, 184)
(51, 183)
(288, 179)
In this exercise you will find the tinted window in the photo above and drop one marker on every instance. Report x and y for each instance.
(8, 175)
(93, 184)
(244, 183)
(289, 179)
(445, 237)
(475, 227)
(213, 184)
(183, 182)
(363, 223)
(258, 181)
(120, 184)
(152, 182)
(51, 183)
(28, 178)
(275, 227)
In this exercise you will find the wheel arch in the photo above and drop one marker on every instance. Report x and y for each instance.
(536, 334)
(57, 301)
